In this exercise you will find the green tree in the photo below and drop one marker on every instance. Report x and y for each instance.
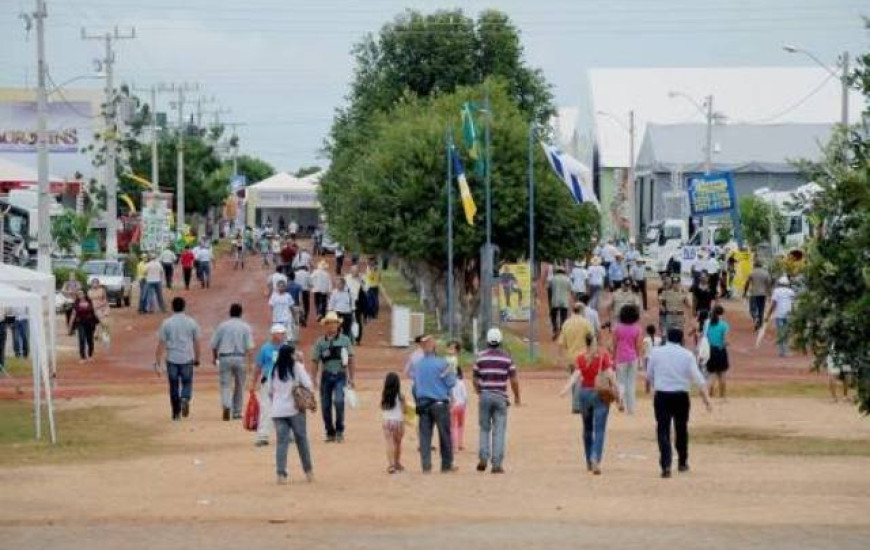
(831, 313)
(757, 218)
(70, 229)
(254, 169)
(393, 198)
(307, 171)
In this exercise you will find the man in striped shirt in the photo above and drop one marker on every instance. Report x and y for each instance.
(492, 370)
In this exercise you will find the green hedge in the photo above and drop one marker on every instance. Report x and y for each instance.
(61, 274)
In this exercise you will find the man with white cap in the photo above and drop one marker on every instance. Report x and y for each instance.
(493, 369)
(260, 378)
(780, 309)
(578, 280)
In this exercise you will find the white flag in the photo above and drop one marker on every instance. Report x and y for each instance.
(576, 175)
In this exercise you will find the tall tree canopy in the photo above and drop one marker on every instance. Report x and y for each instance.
(831, 315)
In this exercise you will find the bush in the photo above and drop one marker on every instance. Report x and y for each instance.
(61, 274)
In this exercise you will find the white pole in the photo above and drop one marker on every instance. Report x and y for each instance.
(708, 158)
(44, 195)
(111, 135)
(179, 216)
(844, 82)
(155, 160)
(630, 188)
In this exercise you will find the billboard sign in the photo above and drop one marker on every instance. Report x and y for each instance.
(156, 217)
(18, 126)
(514, 292)
(712, 194)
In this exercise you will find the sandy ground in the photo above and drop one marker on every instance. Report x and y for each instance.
(206, 484)
(210, 484)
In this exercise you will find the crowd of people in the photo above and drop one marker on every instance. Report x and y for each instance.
(609, 344)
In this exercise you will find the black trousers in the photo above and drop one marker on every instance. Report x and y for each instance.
(320, 301)
(641, 286)
(306, 306)
(672, 407)
(558, 315)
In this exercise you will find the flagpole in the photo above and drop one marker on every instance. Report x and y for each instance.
(450, 313)
(487, 265)
(533, 298)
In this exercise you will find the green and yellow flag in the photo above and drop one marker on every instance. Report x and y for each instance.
(471, 137)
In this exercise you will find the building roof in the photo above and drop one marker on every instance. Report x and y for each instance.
(759, 95)
(12, 172)
(765, 148)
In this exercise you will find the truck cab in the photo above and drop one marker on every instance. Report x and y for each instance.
(662, 240)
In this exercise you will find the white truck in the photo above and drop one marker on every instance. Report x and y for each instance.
(794, 206)
(28, 200)
(669, 238)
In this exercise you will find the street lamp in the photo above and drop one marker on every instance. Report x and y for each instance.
(708, 114)
(629, 191)
(843, 77)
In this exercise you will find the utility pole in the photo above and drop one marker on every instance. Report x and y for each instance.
(111, 135)
(844, 83)
(708, 154)
(43, 259)
(533, 298)
(180, 89)
(200, 101)
(155, 159)
(486, 265)
(451, 314)
(629, 191)
(234, 149)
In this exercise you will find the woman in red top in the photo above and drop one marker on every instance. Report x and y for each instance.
(594, 407)
(187, 259)
(84, 319)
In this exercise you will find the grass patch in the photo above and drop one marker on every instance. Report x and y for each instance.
(779, 443)
(779, 389)
(18, 367)
(402, 294)
(86, 434)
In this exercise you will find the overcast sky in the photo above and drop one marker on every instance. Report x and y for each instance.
(283, 66)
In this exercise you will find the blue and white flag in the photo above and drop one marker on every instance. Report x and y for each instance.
(576, 175)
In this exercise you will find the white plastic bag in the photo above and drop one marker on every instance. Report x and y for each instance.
(704, 351)
(351, 398)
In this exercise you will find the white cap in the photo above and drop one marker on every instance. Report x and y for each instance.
(783, 280)
(493, 336)
(278, 328)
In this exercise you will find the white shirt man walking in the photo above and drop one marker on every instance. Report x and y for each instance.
(671, 371)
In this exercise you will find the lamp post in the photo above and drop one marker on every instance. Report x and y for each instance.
(629, 190)
(705, 109)
(843, 77)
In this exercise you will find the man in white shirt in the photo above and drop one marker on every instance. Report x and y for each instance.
(671, 371)
(303, 258)
(303, 278)
(204, 257)
(356, 284)
(595, 279)
(154, 281)
(321, 285)
(781, 304)
(282, 310)
(578, 280)
(274, 280)
(341, 302)
(167, 260)
(637, 273)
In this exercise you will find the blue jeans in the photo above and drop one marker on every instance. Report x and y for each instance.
(492, 412)
(782, 335)
(232, 383)
(283, 428)
(20, 340)
(143, 303)
(756, 309)
(180, 377)
(155, 289)
(205, 273)
(594, 296)
(374, 302)
(594, 412)
(435, 415)
(332, 392)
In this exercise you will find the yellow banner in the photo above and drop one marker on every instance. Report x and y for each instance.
(514, 292)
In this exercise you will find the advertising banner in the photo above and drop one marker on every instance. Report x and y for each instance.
(156, 216)
(712, 194)
(514, 292)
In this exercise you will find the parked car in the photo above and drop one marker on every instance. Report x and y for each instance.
(65, 262)
(114, 277)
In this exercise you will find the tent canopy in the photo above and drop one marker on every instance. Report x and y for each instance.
(284, 181)
(11, 172)
(41, 285)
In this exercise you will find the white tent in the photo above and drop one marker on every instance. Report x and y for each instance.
(15, 297)
(17, 173)
(42, 285)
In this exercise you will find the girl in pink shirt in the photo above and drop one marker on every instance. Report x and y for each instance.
(627, 349)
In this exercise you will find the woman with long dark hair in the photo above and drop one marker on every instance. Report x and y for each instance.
(717, 364)
(393, 416)
(287, 415)
(84, 321)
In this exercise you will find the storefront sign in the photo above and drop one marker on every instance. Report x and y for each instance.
(288, 199)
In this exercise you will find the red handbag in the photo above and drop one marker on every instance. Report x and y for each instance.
(252, 413)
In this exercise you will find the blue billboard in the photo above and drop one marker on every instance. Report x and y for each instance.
(712, 194)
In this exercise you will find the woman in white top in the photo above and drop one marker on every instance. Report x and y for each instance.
(287, 417)
(392, 417)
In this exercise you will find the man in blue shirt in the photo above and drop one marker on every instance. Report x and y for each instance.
(433, 380)
(260, 378)
(616, 272)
